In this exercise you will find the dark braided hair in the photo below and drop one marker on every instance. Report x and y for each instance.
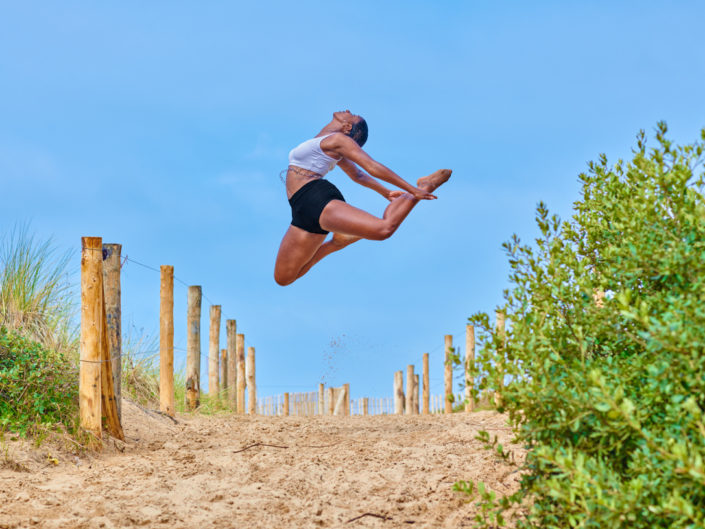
(358, 132)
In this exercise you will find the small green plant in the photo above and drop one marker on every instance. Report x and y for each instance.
(490, 507)
(494, 444)
(37, 386)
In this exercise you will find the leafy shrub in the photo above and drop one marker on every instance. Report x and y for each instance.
(604, 359)
(37, 386)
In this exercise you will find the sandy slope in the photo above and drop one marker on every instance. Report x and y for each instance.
(322, 472)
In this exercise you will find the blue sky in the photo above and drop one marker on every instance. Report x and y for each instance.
(164, 126)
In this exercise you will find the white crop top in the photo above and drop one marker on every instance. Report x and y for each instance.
(309, 155)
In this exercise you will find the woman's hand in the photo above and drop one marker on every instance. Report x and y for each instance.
(391, 195)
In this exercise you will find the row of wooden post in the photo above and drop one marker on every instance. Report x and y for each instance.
(228, 372)
(408, 402)
(100, 345)
(309, 405)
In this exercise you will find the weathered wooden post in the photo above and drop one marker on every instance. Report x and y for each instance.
(285, 412)
(111, 289)
(108, 400)
(252, 388)
(224, 374)
(241, 383)
(231, 339)
(339, 408)
(416, 394)
(347, 399)
(91, 326)
(398, 393)
(469, 366)
(331, 403)
(166, 340)
(213, 352)
(409, 404)
(193, 348)
(321, 399)
(96, 392)
(500, 363)
(448, 374)
(365, 405)
(425, 404)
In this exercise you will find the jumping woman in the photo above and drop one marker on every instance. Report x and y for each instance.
(317, 207)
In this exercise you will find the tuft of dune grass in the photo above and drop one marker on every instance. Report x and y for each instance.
(36, 298)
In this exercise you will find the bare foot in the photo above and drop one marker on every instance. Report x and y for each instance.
(342, 241)
(434, 180)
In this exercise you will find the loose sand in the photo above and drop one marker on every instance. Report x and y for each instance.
(218, 471)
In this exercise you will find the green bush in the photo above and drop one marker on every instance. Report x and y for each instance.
(608, 393)
(37, 386)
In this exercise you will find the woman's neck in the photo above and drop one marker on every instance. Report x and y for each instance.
(332, 127)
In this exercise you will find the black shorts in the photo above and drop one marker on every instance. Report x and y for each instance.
(308, 202)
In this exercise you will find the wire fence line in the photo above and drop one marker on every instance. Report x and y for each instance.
(205, 357)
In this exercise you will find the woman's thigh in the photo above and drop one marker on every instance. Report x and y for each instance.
(296, 249)
(341, 217)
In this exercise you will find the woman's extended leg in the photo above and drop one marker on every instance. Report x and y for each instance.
(340, 217)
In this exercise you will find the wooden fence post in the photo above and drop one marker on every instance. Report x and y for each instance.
(241, 383)
(469, 366)
(193, 348)
(286, 405)
(321, 399)
(425, 404)
(365, 405)
(91, 314)
(448, 374)
(166, 340)
(347, 399)
(224, 374)
(416, 394)
(96, 391)
(500, 363)
(107, 390)
(214, 352)
(339, 408)
(111, 289)
(409, 404)
(331, 403)
(252, 388)
(398, 393)
(231, 340)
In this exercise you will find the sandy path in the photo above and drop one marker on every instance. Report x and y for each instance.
(323, 472)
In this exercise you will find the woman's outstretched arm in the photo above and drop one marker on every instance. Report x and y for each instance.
(361, 177)
(343, 146)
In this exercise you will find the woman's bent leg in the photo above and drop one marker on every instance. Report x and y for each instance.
(297, 248)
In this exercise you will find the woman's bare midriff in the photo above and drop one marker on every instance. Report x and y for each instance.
(296, 178)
